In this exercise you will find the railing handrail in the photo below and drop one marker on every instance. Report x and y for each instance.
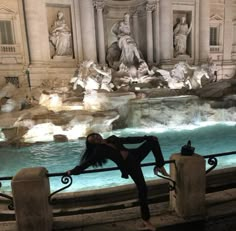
(116, 168)
(220, 154)
(106, 169)
(212, 160)
(6, 178)
(68, 179)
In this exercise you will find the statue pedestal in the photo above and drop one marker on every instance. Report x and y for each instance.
(182, 57)
(62, 58)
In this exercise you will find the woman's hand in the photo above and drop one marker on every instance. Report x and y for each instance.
(68, 173)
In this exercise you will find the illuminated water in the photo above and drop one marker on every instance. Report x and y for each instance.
(59, 157)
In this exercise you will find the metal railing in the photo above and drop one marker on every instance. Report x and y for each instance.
(67, 180)
(212, 159)
(10, 198)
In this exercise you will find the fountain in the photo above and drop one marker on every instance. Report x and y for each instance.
(124, 102)
(99, 98)
(128, 93)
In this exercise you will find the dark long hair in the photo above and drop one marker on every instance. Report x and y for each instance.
(90, 151)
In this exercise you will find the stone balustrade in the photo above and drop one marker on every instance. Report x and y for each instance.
(30, 188)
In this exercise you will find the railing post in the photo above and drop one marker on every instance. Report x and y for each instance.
(30, 189)
(188, 198)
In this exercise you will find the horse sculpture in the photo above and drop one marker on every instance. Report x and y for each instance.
(195, 81)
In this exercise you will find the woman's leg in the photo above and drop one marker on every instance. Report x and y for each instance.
(143, 150)
(136, 174)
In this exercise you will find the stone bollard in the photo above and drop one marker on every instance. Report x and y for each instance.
(188, 199)
(30, 188)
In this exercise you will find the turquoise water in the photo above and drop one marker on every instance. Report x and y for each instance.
(59, 157)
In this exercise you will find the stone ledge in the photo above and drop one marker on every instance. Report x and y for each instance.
(162, 217)
(221, 206)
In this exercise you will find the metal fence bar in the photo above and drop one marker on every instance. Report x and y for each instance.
(212, 159)
(65, 179)
(68, 179)
(11, 204)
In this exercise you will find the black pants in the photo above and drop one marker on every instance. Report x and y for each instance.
(134, 169)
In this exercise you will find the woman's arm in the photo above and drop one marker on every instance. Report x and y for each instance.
(135, 139)
(80, 168)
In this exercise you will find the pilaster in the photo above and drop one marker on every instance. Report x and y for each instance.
(99, 5)
(88, 30)
(204, 47)
(150, 6)
(166, 31)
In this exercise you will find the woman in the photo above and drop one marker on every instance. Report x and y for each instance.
(98, 150)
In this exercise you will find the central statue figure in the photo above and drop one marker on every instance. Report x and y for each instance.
(130, 54)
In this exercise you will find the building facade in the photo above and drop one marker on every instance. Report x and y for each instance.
(48, 39)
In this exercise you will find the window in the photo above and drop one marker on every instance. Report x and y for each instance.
(14, 80)
(213, 36)
(6, 36)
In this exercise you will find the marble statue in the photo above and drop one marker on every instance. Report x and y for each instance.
(211, 69)
(127, 48)
(91, 77)
(194, 81)
(183, 75)
(172, 82)
(60, 36)
(181, 32)
(179, 71)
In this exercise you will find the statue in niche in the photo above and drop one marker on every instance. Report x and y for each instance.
(181, 32)
(125, 49)
(60, 36)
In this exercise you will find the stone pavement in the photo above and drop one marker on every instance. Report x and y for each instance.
(220, 216)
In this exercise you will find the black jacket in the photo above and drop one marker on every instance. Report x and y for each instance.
(104, 151)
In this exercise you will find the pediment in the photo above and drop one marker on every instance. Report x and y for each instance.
(216, 17)
(6, 10)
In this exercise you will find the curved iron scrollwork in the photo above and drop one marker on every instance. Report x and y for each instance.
(171, 187)
(212, 161)
(11, 205)
(66, 179)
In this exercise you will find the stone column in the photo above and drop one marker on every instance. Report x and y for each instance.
(189, 173)
(149, 8)
(136, 28)
(228, 32)
(204, 47)
(156, 35)
(36, 23)
(100, 26)
(88, 30)
(30, 189)
(166, 31)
